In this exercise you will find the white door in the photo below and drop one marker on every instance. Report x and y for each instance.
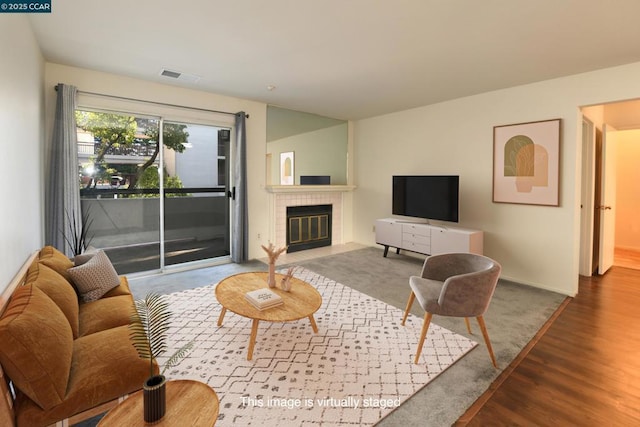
(587, 211)
(608, 199)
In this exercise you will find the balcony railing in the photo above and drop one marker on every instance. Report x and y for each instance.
(136, 149)
(115, 193)
(196, 225)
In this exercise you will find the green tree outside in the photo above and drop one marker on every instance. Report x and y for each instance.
(123, 132)
(151, 179)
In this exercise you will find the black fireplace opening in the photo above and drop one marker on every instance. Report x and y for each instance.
(308, 227)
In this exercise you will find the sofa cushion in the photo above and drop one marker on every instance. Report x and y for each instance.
(94, 278)
(105, 367)
(36, 346)
(105, 313)
(56, 260)
(58, 289)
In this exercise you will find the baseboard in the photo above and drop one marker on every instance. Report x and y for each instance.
(538, 286)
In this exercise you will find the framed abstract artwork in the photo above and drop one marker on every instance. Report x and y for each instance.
(526, 163)
(287, 168)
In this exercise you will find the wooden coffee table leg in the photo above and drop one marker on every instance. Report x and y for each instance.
(221, 318)
(313, 324)
(252, 338)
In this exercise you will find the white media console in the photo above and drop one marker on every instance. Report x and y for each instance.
(428, 239)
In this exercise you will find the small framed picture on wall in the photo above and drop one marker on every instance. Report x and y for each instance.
(287, 168)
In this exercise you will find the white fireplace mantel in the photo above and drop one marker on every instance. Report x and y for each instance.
(309, 188)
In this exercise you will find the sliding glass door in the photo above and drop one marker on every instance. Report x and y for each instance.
(196, 206)
(153, 191)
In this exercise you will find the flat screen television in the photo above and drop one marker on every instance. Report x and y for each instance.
(426, 196)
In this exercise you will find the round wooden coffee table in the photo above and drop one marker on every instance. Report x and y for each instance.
(302, 301)
(189, 403)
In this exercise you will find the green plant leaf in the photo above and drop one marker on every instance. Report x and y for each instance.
(179, 354)
(150, 321)
(76, 232)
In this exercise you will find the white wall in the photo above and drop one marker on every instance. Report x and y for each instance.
(628, 190)
(104, 83)
(536, 245)
(21, 121)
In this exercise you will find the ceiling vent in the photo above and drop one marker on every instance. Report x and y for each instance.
(169, 73)
(184, 77)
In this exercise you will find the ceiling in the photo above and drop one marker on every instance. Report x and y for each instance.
(622, 115)
(346, 59)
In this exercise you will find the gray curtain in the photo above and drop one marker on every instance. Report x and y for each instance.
(62, 192)
(240, 219)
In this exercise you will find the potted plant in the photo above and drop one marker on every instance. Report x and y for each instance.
(150, 321)
(77, 236)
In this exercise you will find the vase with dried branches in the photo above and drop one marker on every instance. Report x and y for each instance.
(150, 321)
(285, 283)
(273, 255)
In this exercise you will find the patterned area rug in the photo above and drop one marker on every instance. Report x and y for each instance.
(357, 369)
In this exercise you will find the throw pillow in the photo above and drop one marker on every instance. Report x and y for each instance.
(58, 289)
(53, 258)
(94, 278)
(85, 256)
(36, 348)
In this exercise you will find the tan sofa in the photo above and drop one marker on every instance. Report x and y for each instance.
(65, 360)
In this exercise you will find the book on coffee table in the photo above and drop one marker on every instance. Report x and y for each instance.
(263, 298)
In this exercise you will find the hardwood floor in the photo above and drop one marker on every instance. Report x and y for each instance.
(628, 258)
(585, 368)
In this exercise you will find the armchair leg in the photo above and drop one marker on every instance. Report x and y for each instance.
(466, 320)
(423, 334)
(483, 328)
(412, 297)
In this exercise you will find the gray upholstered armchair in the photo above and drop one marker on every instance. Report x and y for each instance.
(458, 285)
